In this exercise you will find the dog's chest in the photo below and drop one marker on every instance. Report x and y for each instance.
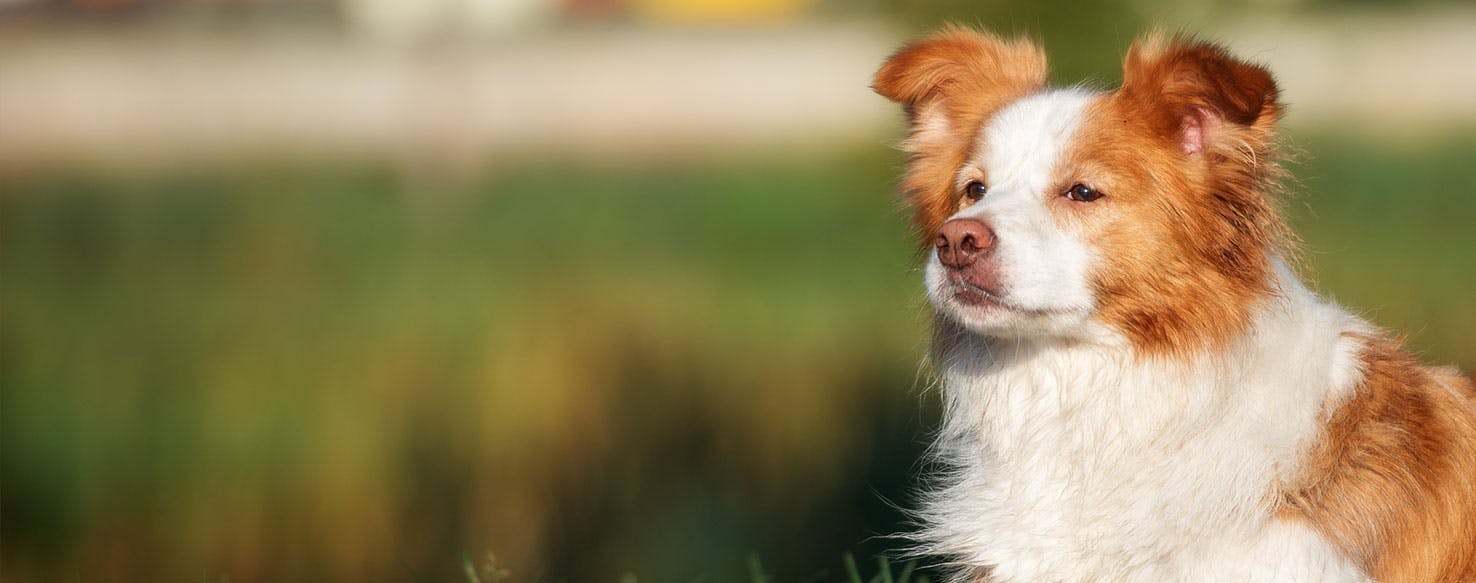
(1071, 466)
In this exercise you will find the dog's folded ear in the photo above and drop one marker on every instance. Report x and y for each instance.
(1199, 93)
(960, 73)
(960, 62)
(949, 83)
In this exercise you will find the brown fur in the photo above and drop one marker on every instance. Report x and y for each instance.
(1186, 233)
(950, 83)
(1185, 151)
(1392, 482)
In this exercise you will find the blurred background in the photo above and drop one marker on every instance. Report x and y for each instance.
(567, 290)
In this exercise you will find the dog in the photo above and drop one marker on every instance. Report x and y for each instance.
(1137, 386)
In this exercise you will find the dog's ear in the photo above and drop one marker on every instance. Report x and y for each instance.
(959, 73)
(1215, 117)
(949, 83)
(958, 59)
(1199, 94)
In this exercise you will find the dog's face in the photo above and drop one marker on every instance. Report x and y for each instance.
(1014, 259)
(1138, 214)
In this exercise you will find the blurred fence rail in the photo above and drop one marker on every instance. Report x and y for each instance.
(586, 93)
(1404, 73)
(603, 92)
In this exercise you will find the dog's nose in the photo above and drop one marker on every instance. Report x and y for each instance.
(961, 241)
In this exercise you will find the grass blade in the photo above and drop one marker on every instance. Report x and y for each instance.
(470, 570)
(852, 573)
(756, 570)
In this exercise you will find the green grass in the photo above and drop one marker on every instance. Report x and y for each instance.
(1388, 234)
(885, 572)
(345, 371)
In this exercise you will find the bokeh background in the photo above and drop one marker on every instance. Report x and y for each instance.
(566, 290)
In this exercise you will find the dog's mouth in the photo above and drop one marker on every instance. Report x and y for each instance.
(972, 296)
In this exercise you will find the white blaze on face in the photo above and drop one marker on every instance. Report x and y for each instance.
(1043, 265)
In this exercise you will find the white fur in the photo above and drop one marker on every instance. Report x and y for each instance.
(1279, 552)
(1071, 461)
(1043, 266)
(1065, 458)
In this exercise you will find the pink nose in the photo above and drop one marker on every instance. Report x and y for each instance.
(961, 241)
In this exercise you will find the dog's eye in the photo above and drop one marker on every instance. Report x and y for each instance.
(975, 190)
(1082, 193)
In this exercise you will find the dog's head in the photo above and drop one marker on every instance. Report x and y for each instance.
(1139, 214)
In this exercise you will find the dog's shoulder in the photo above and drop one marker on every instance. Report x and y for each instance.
(1392, 480)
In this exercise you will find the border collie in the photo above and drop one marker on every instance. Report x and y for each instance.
(1137, 385)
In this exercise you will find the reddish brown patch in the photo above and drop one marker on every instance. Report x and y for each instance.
(950, 83)
(1185, 151)
(1186, 156)
(1392, 481)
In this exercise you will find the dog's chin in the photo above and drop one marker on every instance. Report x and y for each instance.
(980, 312)
(994, 314)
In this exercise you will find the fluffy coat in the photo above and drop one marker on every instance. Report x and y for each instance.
(1137, 385)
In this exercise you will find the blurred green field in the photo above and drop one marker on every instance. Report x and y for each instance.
(341, 370)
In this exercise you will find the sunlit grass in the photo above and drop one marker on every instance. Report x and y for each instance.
(309, 371)
(885, 572)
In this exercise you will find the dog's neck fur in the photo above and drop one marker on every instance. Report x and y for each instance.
(1073, 461)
